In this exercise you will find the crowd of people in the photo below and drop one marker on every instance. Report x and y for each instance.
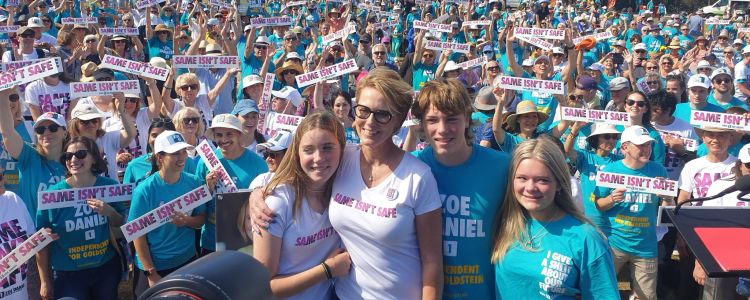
(423, 172)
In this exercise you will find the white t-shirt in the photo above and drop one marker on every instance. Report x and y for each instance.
(377, 226)
(137, 146)
(46, 38)
(109, 145)
(728, 199)
(741, 76)
(699, 174)
(48, 98)
(261, 180)
(201, 103)
(8, 57)
(17, 226)
(306, 240)
(672, 162)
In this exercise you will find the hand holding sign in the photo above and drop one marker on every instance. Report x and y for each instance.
(618, 194)
(101, 207)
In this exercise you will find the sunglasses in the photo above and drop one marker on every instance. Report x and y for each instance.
(289, 72)
(609, 136)
(640, 51)
(80, 154)
(188, 87)
(89, 122)
(630, 102)
(720, 81)
(132, 100)
(428, 55)
(26, 35)
(290, 39)
(729, 52)
(379, 53)
(494, 69)
(652, 68)
(704, 69)
(13, 98)
(160, 122)
(274, 154)
(364, 42)
(261, 47)
(188, 121)
(119, 42)
(52, 128)
(666, 62)
(652, 82)
(364, 112)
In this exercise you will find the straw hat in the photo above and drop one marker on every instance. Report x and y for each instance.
(162, 27)
(288, 65)
(87, 72)
(525, 107)
(674, 44)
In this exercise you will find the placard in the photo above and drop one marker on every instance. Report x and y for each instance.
(141, 4)
(23, 252)
(743, 29)
(265, 101)
(12, 65)
(441, 18)
(78, 196)
(459, 2)
(30, 73)
(702, 119)
(295, 3)
(545, 45)
(387, 24)
(477, 23)
(272, 21)
(205, 62)
(103, 88)
(717, 22)
(594, 116)
(134, 67)
(276, 121)
(598, 36)
(438, 45)
(206, 151)
(474, 62)
(528, 84)
(544, 33)
(109, 31)
(641, 184)
(220, 3)
(9, 29)
(432, 26)
(326, 73)
(689, 144)
(77, 21)
(163, 214)
(423, 2)
(347, 30)
(254, 4)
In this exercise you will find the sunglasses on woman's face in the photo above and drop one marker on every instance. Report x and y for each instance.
(274, 154)
(630, 102)
(188, 121)
(609, 136)
(188, 87)
(132, 100)
(80, 154)
(89, 122)
(52, 128)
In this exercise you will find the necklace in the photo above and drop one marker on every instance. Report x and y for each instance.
(537, 237)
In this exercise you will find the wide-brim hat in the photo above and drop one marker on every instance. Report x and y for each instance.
(602, 128)
(162, 27)
(700, 130)
(525, 107)
(288, 65)
(485, 93)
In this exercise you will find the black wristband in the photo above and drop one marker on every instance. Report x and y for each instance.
(327, 270)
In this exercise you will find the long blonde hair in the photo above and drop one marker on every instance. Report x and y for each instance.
(290, 169)
(181, 114)
(513, 217)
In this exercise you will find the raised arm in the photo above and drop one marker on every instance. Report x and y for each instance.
(11, 139)
(497, 120)
(127, 133)
(514, 66)
(418, 47)
(214, 92)
(443, 61)
(154, 106)
(568, 69)
(249, 43)
(570, 139)
(149, 30)
(166, 94)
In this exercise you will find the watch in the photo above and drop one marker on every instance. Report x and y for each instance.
(149, 272)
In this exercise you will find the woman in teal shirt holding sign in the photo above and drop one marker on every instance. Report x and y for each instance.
(84, 258)
(545, 247)
(172, 245)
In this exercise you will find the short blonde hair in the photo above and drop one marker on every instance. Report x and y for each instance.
(186, 79)
(182, 114)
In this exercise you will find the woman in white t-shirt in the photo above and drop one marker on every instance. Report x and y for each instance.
(142, 117)
(86, 120)
(700, 173)
(48, 94)
(187, 121)
(301, 249)
(724, 288)
(385, 203)
(188, 89)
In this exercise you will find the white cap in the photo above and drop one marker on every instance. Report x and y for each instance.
(170, 142)
(289, 93)
(744, 155)
(85, 112)
(699, 80)
(640, 46)
(618, 83)
(35, 22)
(292, 55)
(248, 27)
(529, 62)
(737, 41)
(451, 66)
(213, 22)
(224, 121)
(635, 134)
(721, 71)
(51, 116)
(746, 49)
(704, 64)
(251, 80)
(262, 39)
(557, 50)
(596, 67)
(279, 141)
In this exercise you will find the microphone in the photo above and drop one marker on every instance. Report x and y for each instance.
(223, 275)
(742, 184)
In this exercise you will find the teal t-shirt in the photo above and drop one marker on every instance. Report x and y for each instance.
(422, 74)
(588, 164)
(572, 259)
(36, 174)
(631, 224)
(242, 170)
(658, 148)
(545, 102)
(170, 246)
(84, 241)
(158, 49)
(9, 164)
(683, 110)
(472, 194)
(351, 135)
(731, 103)
(137, 169)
